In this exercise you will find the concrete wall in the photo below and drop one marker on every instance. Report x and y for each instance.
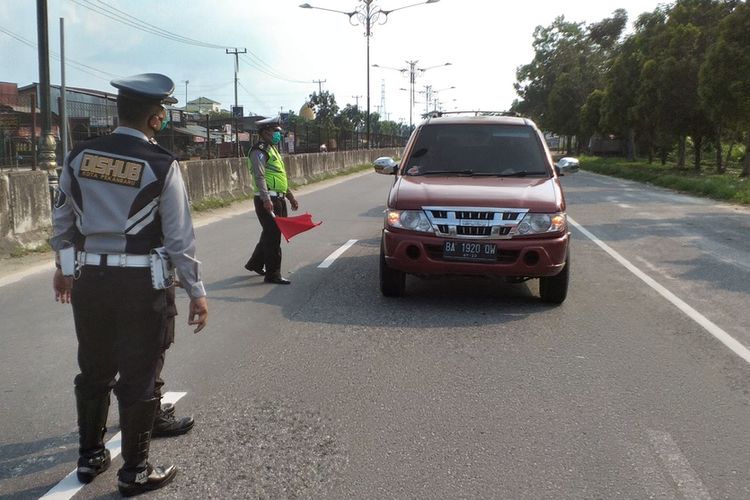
(25, 212)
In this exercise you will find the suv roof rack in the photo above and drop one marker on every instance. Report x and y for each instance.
(476, 112)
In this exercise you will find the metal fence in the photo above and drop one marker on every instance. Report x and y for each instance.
(312, 138)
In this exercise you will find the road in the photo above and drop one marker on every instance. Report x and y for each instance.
(635, 387)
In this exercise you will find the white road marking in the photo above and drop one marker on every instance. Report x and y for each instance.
(335, 255)
(624, 205)
(707, 324)
(69, 486)
(677, 465)
(16, 277)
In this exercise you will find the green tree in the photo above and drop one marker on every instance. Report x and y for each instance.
(725, 79)
(325, 108)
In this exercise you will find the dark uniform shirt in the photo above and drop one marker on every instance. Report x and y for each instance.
(121, 194)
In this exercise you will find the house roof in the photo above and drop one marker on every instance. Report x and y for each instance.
(202, 100)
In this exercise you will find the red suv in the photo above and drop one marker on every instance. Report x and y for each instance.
(476, 195)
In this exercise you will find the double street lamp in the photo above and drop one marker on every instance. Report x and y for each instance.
(366, 14)
(413, 71)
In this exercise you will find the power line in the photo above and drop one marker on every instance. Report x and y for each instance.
(84, 68)
(261, 66)
(128, 19)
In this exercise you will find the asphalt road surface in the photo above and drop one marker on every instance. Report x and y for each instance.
(635, 387)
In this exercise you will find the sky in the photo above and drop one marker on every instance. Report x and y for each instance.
(293, 52)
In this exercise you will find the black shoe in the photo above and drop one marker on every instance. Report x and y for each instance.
(257, 270)
(91, 466)
(276, 280)
(132, 483)
(167, 425)
(166, 408)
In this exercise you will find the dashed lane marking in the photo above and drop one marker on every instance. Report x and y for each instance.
(335, 255)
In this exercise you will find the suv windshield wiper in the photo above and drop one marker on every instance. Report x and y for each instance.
(520, 173)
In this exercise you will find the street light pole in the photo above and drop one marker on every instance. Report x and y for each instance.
(366, 14)
(236, 53)
(186, 84)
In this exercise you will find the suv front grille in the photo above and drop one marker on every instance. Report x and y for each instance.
(474, 222)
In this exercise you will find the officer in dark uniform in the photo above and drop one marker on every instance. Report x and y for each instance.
(121, 203)
(271, 186)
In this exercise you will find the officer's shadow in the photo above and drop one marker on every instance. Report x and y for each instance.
(20, 459)
(234, 283)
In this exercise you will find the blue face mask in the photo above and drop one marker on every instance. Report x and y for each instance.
(164, 122)
(276, 137)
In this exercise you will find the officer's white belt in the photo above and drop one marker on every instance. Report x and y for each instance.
(276, 194)
(114, 259)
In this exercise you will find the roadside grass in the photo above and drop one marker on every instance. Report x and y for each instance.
(21, 251)
(332, 175)
(728, 187)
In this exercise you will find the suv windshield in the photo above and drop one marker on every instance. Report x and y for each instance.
(477, 150)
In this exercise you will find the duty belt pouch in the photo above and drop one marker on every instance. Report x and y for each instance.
(162, 271)
(68, 260)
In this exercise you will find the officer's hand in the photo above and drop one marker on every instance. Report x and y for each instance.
(268, 205)
(62, 286)
(293, 202)
(198, 314)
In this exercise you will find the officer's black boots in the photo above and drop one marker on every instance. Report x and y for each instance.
(136, 475)
(93, 457)
(167, 425)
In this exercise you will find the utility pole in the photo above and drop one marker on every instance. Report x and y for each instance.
(63, 105)
(236, 53)
(320, 86)
(427, 97)
(356, 100)
(186, 84)
(381, 112)
(47, 140)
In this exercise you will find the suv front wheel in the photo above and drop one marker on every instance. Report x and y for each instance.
(554, 289)
(392, 282)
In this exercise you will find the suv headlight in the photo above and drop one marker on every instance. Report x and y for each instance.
(413, 220)
(541, 223)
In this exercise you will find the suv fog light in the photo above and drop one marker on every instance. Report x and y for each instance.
(531, 258)
(412, 251)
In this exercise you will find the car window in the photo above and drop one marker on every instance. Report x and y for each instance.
(477, 149)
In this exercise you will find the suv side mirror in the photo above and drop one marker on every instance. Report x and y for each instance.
(567, 165)
(385, 165)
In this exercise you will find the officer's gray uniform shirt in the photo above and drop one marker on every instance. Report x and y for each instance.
(110, 203)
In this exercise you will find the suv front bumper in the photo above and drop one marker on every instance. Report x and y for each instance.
(521, 258)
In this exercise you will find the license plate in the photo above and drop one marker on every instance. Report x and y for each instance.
(469, 250)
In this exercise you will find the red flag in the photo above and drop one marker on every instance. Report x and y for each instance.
(290, 226)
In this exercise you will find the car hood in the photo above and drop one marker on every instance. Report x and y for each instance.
(532, 193)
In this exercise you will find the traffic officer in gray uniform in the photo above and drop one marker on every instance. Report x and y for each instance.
(121, 204)
(271, 186)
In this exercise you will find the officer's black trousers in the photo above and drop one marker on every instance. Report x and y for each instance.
(267, 252)
(122, 325)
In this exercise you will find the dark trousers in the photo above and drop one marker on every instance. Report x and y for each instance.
(123, 326)
(267, 252)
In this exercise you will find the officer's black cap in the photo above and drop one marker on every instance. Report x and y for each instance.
(148, 87)
(265, 123)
